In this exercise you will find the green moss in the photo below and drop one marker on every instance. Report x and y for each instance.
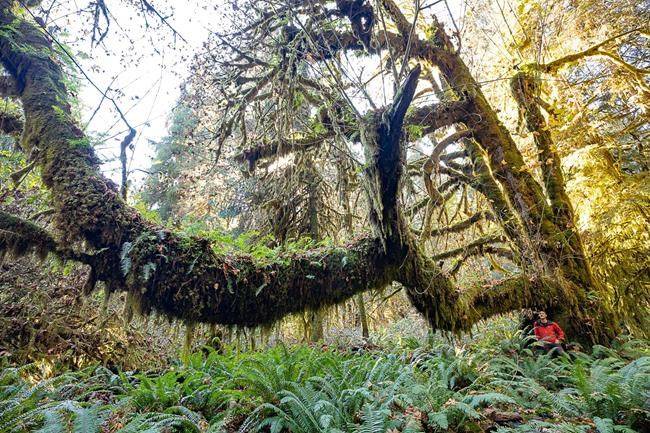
(19, 237)
(82, 142)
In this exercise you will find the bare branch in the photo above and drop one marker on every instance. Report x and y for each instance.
(475, 246)
(463, 225)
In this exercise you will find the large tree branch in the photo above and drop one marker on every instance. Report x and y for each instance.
(525, 91)
(594, 50)
(431, 117)
(280, 147)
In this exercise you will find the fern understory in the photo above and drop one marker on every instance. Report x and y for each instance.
(489, 384)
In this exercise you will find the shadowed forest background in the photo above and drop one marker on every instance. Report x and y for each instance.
(349, 219)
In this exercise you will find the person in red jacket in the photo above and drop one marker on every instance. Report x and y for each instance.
(549, 334)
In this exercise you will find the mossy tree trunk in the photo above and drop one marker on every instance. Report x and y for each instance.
(544, 231)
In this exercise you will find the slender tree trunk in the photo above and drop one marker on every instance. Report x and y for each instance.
(363, 318)
(316, 317)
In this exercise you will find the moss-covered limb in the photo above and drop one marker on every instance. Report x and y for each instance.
(564, 246)
(595, 50)
(452, 310)
(434, 159)
(185, 279)
(431, 117)
(582, 319)
(519, 292)
(542, 234)
(477, 245)
(19, 237)
(525, 90)
(490, 251)
(435, 116)
(462, 225)
(448, 308)
(124, 145)
(279, 148)
(558, 247)
(429, 290)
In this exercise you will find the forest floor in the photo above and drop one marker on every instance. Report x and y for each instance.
(492, 381)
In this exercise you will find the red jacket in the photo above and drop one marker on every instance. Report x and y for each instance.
(549, 332)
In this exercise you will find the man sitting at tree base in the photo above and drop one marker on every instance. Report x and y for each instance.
(549, 334)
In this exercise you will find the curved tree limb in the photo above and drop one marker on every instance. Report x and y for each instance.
(432, 117)
(462, 225)
(474, 245)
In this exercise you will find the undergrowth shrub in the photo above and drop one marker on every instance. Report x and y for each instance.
(456, 387)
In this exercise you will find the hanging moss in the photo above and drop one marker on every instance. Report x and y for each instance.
(19, 237)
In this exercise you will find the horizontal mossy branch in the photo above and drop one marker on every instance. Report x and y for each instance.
(19, 237)
(431, 117)
(279, 148)
(185, 279)
(519, 292)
